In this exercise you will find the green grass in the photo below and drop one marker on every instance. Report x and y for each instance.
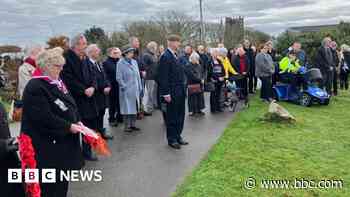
(317, 147)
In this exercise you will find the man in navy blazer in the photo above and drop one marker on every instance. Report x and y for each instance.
(173, 92)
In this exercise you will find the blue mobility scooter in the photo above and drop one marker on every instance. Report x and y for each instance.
(306, 96)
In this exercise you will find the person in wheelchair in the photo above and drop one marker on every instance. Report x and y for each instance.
(290, 71)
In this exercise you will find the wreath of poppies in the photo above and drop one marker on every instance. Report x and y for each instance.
(27, 154)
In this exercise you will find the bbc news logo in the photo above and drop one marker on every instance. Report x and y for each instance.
(51, 176)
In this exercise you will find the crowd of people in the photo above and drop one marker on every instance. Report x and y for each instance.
(63, 89)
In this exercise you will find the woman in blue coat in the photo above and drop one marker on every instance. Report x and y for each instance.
(130, 88)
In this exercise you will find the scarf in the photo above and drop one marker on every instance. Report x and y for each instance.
(30, 61)
(38, 74)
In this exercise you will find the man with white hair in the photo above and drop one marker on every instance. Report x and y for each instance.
(26, 70)
(103, 87)
(325, 61)
(336, 62)
(82, 85)
(149, 61)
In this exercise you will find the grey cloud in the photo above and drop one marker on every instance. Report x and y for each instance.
(32, 21)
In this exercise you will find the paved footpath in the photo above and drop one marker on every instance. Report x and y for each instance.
(142, 165)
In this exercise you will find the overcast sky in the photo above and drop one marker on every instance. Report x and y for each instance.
(33, 21)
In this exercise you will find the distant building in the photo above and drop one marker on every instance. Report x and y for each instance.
(308, 29)
(234, 31)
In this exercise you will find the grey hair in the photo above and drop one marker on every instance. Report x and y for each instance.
(214, 50)
(194, 57)
(109, 50)
(90, 48)
(34, 50)
(325, 40)
(152, 46)
(75, 40)
(132, 38)
(223, 51)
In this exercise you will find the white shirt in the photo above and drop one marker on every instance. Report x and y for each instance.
(95, 63)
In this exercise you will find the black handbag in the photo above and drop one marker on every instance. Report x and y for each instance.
(209, 87)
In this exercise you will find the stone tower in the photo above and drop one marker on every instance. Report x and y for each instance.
(234, 31)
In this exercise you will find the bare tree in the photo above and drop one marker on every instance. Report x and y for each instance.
(177, 22)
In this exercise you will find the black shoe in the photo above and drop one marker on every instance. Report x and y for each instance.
(192, 114)
(113, 124)
(201, 113)
(183, 142)
(175, 146)
(128, 130)
(135, 129)
(147, 114)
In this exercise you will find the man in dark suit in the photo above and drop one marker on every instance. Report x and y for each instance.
(103, 86)
(324, 60)
(82, 85)
(110, 67)
(173, 92)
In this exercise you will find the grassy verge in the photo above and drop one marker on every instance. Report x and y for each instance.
(316, 148)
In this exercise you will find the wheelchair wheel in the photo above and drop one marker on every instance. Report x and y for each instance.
(326, 102)
(232, 106)
(305, 100)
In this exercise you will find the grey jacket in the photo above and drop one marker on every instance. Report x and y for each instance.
(149, 63)
(264, 66)
(130, 87)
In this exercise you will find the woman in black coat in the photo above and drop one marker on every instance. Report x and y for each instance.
(8, 158)
(195, 76)
(51, 119)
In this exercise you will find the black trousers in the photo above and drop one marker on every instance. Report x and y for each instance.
(101, 115)
(253, 82)
(175, 114)
(215, 98)
(344, 81)
(58, 189)
(92, 124)
(328, 81)
(113, 106)
(243, 85)
(335, 82)
(266, 88)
